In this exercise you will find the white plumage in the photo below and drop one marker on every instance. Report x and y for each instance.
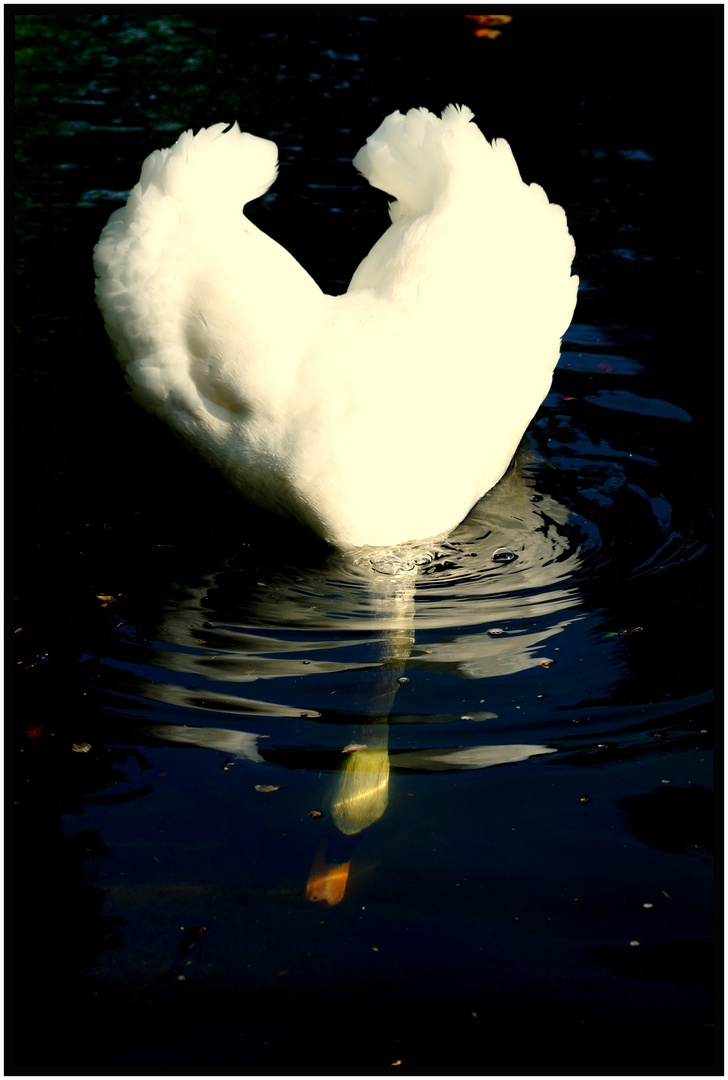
(376, 417)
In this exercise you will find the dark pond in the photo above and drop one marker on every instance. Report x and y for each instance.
(530, 888)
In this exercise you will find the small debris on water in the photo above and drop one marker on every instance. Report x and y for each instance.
(191, 938)
(586, 799)
(315, 813)
(354, 746)
(81, 747)
(266, 787)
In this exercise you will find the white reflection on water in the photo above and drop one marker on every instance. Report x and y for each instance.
(298, 624)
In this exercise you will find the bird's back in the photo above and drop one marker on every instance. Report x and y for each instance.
(375, 417)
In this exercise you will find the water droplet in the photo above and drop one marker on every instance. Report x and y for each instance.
(504, 554)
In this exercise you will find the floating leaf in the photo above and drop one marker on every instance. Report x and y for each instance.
(266, 787)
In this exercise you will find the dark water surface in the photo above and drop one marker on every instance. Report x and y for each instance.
(540, 910)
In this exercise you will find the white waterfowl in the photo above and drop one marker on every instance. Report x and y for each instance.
(375, 417)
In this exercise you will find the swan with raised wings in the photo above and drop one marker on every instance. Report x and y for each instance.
(376, 417)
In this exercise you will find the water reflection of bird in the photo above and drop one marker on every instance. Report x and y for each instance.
(376, 417)
(361, 789)
(213, 664)
(359, 792)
